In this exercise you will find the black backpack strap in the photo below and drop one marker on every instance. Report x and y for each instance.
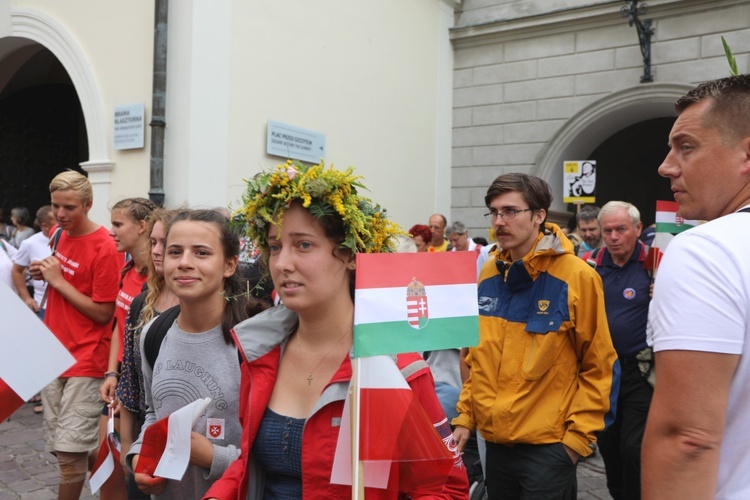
(136, 306)
(156, 333)
(55, 239)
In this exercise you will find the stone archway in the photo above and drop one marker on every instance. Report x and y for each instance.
(39, 27)
(592, 126)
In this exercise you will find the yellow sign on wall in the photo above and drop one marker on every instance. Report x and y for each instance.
(579, 181)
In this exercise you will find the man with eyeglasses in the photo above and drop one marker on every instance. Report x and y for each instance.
(544, 377)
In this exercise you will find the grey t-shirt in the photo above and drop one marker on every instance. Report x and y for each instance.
(191, 366)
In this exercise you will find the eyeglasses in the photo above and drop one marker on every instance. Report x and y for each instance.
(506, 214)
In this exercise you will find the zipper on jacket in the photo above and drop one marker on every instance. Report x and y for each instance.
(531, 352)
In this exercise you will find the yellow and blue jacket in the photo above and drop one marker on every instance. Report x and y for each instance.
(545, 370)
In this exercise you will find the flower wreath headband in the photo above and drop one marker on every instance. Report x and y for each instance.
(323, 192)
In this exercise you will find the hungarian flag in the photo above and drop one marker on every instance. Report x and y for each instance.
(108, 457)
(415, 302)
(165, 449)
(668, 224)
(399, 447)
(31, 356)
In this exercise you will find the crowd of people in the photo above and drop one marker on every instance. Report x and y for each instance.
(168, 306)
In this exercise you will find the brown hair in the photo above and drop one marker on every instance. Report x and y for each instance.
(730, 109)
(239, 304)
(138, 209)
(535, 191)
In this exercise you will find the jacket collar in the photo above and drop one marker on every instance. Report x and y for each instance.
(260, 334)
(550, 243)
(639, 255)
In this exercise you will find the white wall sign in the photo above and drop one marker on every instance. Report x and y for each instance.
(579, 181)
(129, 126)
(298, 143)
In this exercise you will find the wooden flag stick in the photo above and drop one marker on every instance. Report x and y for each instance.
(358, 475)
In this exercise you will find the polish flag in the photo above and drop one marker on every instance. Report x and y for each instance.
(415, 302)
(165, 451)
(399, 447)
(108, 457)
(31, 356)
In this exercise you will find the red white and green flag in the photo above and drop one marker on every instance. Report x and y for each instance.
(415, 302)
(31, 356)
(668, 225)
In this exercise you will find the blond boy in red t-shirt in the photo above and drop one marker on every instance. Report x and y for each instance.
(82, 278)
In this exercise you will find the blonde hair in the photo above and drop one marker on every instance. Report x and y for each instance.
(70, 179)
(155, 280)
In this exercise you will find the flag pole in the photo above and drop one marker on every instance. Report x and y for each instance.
(358, 486)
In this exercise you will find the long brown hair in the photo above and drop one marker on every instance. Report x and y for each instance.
(239, 303)
(138, 210)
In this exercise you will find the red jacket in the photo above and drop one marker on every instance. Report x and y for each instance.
(261, 339)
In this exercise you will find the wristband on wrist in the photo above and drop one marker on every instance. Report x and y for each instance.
(112, 374)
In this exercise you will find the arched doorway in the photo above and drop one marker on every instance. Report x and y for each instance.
(32, 30)
(627, 164)
(42, 131)
(626, 132)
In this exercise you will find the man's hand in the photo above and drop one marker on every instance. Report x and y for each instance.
(35, 271)
(461, 435)
(150, 485)
(574, 456)
(51, 271)
(32, 304)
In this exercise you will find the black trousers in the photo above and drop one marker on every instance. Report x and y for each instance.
(620, 444)
(530, 472)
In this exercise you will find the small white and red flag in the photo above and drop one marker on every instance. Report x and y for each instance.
(108, 457)
(165, 450)
(31, 356)
(398, 446)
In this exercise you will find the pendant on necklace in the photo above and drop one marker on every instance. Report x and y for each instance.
(309, 378)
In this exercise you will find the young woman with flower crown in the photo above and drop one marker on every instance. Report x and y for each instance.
(309, 223)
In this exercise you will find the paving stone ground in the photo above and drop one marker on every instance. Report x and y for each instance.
(27, 472)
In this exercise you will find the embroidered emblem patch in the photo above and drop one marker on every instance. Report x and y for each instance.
(543, 305)
(628, 293)
(215, 428)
